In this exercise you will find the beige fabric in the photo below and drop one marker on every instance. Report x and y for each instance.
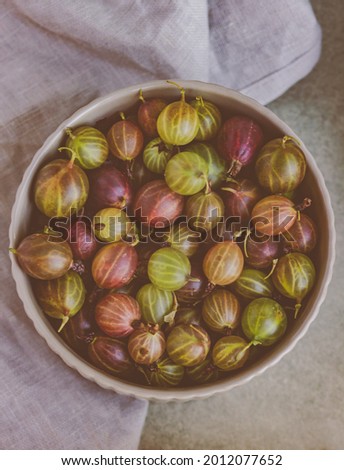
(56, 56)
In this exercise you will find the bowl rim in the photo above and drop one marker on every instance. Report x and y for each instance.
(106, 381)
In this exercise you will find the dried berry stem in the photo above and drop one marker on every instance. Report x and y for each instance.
(228, 330)
(304, 204)
(169, 318)
(78, 267)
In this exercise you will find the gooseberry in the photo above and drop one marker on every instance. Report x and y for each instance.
(109, 187)
(61, 298)
(156, 204)
(239, 199)
(117, 314)
(114, 265)
(186, 173)
(169, 269)
(178, 122)
(203, 372)
(156, 155)
(273, 215)
(294, 277)
(264, 321)
(81, 239)
(302, 236)
(146, 344)
(61, 188)
(209, 117)
(188, 345)
(223, 263)
(252, 284)
(41, 258)
(125, 139)
(155, 304)
(230, 353)
(281, 165)
(238, 140)
(109, 354)
(148, 113)
(164, 373)
(204, 210)
(90, 146)
(111, 224)
(216, 165)
(196, 288)
(221, 311)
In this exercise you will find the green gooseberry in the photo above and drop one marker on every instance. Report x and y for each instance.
(169, 269)
(252, 284)
(294, 277)
(264, 321)
(186, 173)
(156, 304)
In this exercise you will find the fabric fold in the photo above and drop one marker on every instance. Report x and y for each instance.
(56, 56)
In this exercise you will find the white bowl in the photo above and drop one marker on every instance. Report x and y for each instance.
(121, 100)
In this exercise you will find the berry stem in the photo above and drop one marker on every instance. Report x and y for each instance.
(297, 309)
(207, 185)
(13, 250)
(200, 99)
(141, 96)
(193, 279)
(229, 179)
(182, 90)
(74, 155)
(231, 190)
(304, 204)
(289, 138)
(64, 321)
(238, 234)
(141, 369)
(169, 318)
(248, 233)
(69, 132)
(135, 241)
(274, 264)
(122, 116)
(234, 168)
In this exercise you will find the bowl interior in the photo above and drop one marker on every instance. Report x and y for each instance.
(23, 214)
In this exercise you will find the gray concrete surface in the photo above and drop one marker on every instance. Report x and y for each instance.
(297, 404)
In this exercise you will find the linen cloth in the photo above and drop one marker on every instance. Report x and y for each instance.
(58, 55)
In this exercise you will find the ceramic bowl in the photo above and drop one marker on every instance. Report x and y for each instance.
(225, 98)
